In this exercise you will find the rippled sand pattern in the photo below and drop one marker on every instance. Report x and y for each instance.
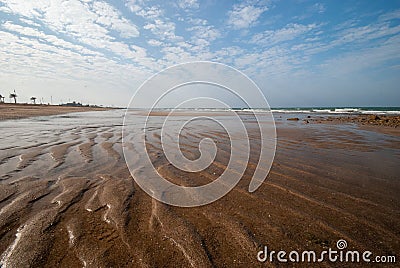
(67, 198)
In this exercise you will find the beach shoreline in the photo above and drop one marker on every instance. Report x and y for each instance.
(9, 111)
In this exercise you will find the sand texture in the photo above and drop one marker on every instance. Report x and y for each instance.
(67, 198)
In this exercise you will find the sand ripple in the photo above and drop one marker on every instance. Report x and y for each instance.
(67, 198)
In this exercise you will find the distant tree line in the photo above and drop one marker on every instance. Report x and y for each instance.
(13, 98)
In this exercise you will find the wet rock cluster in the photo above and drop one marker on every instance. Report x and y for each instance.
(367, 119)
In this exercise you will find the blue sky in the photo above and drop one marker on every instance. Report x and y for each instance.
(299, 52)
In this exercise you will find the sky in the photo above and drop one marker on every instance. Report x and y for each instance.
(299, 52)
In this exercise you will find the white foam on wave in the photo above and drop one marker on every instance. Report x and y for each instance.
(381, 112)
(335, 111)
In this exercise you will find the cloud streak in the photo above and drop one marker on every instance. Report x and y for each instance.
(243, 16)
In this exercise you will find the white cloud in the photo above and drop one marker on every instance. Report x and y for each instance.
(319, 8)
(45, 65)
(45, 38)
(244, 16)
(197, 21)
(367, 58)
(203, 36)
(150, 13)
(188, 4)
(366, 33)
(272, 62)
(108, 16)
(154, 43)
(163, 29)
(354, 37)
(134, 5)
(29, 22)
(287, 33)
(395, 14)
(92, 19)
(90, 23)
(205, 32)
(176, 54)
(139, 8)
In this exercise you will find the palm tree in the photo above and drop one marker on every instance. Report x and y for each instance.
(14, 96)
(33, 99)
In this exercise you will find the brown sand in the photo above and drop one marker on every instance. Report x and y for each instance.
(72, 202)
(18, 111)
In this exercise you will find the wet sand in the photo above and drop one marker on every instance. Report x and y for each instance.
(18, 111)
(67, 198)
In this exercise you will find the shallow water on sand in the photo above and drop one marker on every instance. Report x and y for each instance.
(67, 197)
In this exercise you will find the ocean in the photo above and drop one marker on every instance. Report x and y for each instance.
(340, 110)
(293, 110)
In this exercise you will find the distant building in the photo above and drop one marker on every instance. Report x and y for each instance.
(72, 104)
(78, 104)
